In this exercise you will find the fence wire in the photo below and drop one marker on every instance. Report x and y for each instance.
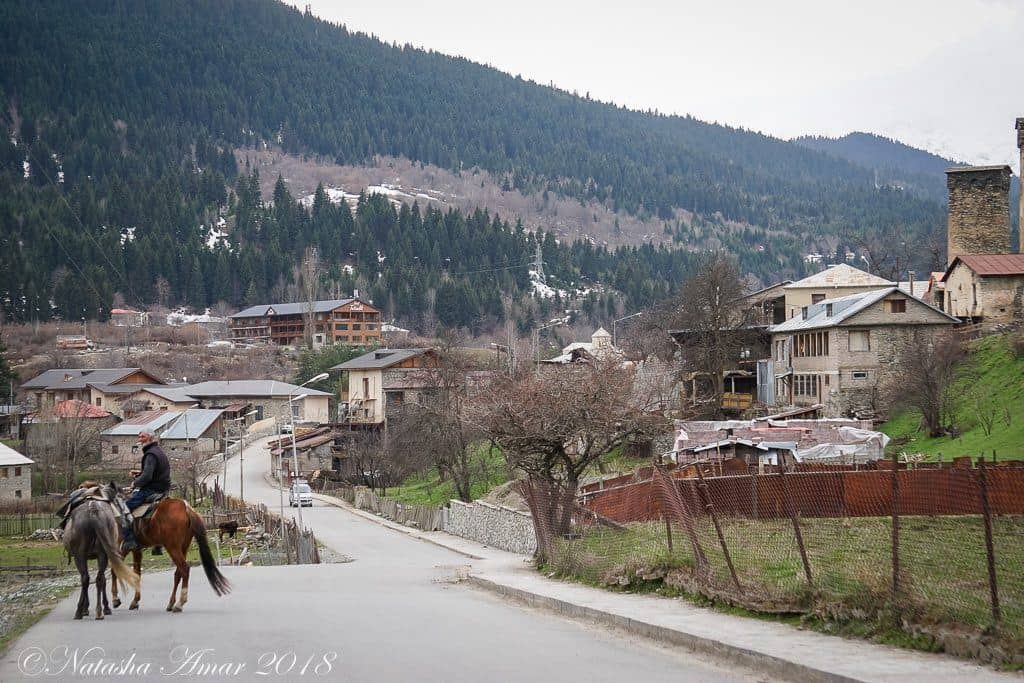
(933, 549)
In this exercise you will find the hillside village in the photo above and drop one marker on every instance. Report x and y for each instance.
(800, 377)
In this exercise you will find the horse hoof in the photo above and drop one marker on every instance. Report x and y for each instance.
(117, 603)
(106, 610)
(99, 617)
(133, 606)
(78, 616)
(176, 609)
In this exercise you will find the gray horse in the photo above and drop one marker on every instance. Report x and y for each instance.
(92, 533)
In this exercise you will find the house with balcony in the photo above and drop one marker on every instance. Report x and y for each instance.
(79, 384)
(337, 321)
(839, 352)
(381, 380)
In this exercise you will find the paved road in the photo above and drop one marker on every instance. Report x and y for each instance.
(393, 614)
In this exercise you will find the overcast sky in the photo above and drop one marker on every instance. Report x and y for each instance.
(943, 75)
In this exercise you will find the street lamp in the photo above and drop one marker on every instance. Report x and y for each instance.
(614, 322)
(291, 414)
(241, 454)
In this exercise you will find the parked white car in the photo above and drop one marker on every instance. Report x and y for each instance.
(300, 494)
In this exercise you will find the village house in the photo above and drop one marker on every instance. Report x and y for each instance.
(837, 352)
(832, 283)
(117, 441)
(126, 317)
(337, 321)
(985, 288)
(63, 384)
(196, 430)
(15, 475)
(380, 380)
(599, 347)
(167, 397)
(269, 398)
(53, 427)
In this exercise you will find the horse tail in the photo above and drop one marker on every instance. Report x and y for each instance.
(108, 538)
(217, 581)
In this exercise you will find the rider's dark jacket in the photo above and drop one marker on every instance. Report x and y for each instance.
(156, 469)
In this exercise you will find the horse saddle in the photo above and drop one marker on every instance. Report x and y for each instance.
(80, 496)
(145, 510)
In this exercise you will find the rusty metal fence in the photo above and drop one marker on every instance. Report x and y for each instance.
(933, 551)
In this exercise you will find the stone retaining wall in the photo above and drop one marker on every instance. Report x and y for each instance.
(493, 525)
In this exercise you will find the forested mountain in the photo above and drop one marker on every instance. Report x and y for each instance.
(124, 117)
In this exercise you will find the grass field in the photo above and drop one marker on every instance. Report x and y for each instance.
(944, 577)
(991, 384)
(427, 488)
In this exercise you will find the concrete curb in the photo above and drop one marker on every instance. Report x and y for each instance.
(750, 659)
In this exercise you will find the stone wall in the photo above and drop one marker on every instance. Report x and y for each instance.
(493, 525)
(979, 211)
(12, 483)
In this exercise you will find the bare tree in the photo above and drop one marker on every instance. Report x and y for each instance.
(191, 469)
(62, 439)
(708, 323)
(554, 425)
(438, 421)
(926, 369)
(162, 290)
(310, 280)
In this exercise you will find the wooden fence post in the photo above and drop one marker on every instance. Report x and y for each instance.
(788, 502)
(718, 529)
(895, 534)
(989, 545)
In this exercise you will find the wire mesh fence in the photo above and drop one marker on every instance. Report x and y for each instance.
(932, 549)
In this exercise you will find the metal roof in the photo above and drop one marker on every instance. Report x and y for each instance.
(263, 310)
(840, 275)
(9, 456)
(249, 387)
(380, 359)
(192, 423)
(989, 264)
(78, 378)
(174, 394)
(832, 312)
(151, 420)
(979, 169)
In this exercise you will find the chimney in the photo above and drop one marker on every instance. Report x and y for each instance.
(910, 282)
(979, 210)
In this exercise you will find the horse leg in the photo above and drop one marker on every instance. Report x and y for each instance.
(113, 589)
(185, 570)
(137, 565)
(83, 598)
(101, 586)
(174, 591)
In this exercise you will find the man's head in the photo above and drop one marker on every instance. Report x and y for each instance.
(146, 437)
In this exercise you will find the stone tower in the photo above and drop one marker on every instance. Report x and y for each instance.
(1020, 145)
(979, 210)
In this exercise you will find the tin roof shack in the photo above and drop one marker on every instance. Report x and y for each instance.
(838, 352)
(313, 448)
(742, 383)
(985, 288)
(117, 441)
(831, 440)
(15, 475)
(196, 430)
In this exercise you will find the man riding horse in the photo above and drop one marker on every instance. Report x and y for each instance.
(154, 477)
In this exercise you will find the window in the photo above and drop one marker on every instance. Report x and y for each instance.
(356, 326)
(859, 374)
(3, 473)
(805, 385)
(113, 449)
(99, 401)
(896, 305)
(341, 326)
(356, 339)
(17, 493)
(817, 298)
(811, 344)
(860, 340)
(366, 387)
(17, 471)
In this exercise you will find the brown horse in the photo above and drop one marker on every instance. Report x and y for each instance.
(173, 525)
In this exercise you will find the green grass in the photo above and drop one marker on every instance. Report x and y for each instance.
(992, 383)
(427, 487)
(944, 579)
